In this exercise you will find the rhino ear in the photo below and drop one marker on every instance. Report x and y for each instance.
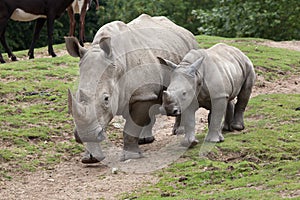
(74, 48)
(194, 67)
(105, 45)
(167, 63)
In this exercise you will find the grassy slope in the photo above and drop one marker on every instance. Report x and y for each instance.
(263, 161)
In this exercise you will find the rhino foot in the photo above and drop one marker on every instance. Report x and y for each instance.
(178, 130)
(189, 143)
(88, 158)
(131, 155)
(146, 140)
(214, 138)
(237, 126)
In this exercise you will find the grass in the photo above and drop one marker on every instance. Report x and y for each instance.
(260, 162)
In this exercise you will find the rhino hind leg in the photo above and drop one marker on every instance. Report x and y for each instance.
(240, 106)
(229, 117)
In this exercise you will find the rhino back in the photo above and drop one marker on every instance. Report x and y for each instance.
(136, 46)
(149, 37)
(226, 69)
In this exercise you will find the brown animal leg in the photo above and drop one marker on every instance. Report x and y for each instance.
(38, 27)
(72, 21)
(50, 26)
(4, 44)
(82, 23)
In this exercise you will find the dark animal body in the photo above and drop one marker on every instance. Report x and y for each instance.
(79, 7)
(28, 10)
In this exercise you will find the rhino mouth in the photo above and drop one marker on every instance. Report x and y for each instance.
(170, 110)
(95, 135)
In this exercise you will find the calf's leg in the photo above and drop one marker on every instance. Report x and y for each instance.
(218, 110)
(229, 117)
(188, 121)
(240, 106)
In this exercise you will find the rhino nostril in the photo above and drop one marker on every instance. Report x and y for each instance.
(175, 111)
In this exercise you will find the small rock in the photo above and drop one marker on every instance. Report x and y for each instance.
(114, 170)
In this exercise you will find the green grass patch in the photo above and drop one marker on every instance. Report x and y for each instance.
(260, 162)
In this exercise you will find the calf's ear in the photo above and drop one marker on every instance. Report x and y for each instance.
(195, 66)
(167, 63)
(74, 48)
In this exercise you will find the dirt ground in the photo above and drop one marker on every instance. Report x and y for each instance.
(73, 180)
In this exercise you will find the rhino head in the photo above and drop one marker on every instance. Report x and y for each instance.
(95, 102)
(182, 90)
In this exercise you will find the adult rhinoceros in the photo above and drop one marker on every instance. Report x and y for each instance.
(120, 75)
(212, 79)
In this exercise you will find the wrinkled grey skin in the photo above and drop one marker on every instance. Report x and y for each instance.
(120, 75)
(211, 79)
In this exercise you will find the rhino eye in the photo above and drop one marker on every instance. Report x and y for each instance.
(183, 93)
(106, 99)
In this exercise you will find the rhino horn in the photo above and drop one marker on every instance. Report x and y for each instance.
(77, 109)
(166, 95)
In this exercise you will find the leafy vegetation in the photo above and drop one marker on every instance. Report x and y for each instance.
(277, 20)
(261, 162)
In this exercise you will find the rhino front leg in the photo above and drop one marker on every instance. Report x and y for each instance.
(146, 136)
(136, 120)
(216, 115)
(177, 128)
(188, 121)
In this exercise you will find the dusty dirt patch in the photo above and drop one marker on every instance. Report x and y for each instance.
(292, 45)
(73, 180)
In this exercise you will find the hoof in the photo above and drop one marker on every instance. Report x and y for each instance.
(178, 131)
(131, 155)
(146, 140)
(189, 144)
(89, 159)
(237, 126)
(14, 58)
(216, 139)
(2, 61)
(53, 55)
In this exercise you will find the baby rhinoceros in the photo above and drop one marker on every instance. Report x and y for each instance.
(211, 79)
